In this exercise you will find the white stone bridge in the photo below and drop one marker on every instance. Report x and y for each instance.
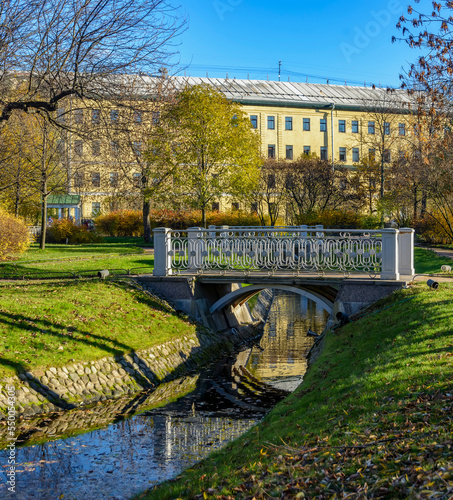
(202, 271)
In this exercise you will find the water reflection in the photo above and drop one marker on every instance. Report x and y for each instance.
(130, 455)
(280, 358)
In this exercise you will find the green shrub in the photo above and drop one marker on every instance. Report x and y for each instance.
(14, 237)
(340, 219)
(65, 229)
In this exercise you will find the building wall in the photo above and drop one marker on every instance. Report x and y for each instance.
(316, 139)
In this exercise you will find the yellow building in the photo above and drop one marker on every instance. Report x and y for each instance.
(341, 124)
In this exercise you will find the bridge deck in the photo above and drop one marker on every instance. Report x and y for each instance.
(282, 278)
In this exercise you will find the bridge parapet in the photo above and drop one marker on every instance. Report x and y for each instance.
(387, 253)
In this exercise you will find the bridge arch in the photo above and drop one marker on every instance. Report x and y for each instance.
(241, 295)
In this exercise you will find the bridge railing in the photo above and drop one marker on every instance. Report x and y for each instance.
(387, 253)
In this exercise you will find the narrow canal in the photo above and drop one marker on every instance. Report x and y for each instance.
(117, 449)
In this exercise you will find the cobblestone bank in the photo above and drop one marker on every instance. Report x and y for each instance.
(42, 391)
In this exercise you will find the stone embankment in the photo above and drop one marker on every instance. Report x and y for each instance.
(78, 384)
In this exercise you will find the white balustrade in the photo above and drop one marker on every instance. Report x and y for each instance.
(296, 249)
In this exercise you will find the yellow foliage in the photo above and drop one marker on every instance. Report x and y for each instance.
(14, 237)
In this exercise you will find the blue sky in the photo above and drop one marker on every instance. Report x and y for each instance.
(336, 39)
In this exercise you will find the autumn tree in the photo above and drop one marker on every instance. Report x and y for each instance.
(268, 196)
(208, 145)
(54, 49)
(313, 185)
(126, 130)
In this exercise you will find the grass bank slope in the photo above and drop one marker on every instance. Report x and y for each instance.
(53, 323)
(372, 419)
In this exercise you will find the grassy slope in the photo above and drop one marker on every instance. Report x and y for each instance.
(372, 419)
(87, 320)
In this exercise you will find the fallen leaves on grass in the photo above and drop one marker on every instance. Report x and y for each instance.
(412, 460)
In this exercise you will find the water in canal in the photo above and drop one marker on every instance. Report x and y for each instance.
(118, 449)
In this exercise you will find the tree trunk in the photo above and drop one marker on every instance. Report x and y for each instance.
(44, 193)
(17, 201)
(147, 235)
(42, 241)
(203, 216)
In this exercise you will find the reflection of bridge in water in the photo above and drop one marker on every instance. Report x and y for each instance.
(203, 271)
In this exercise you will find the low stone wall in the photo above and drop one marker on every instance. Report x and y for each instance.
(85, 383)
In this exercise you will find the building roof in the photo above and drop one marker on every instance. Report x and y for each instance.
(297, 94)
(63, 199)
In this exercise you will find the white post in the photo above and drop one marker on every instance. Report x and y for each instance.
(390, 255)
(162, 247)
(194, 248)
(406, 251)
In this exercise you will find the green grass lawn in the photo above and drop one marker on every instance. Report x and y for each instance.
(372, 418)
(119, 255)
(428, 262)
(45, 324)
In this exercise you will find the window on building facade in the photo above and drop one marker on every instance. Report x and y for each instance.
(113, 179)
(61, 146)
(215, 207)
(342, 154)
(254, 121)
(137, 179)
(271, 122)
(95, 208)
(386, 156)
(254, 207)
(78, 179)
(324, 153)
(401, 154)
(289, 152)
(78, 116)
(96, 179)
(342, 126)
(355, 126)
(138, 117)
(307, 150)
(78, 148)
(155, 117)
(386, 128)
(235, 206)
(271, 181)
(137, 148)
(61, 118)
(306, 124)
(96, 148)
(288, 122)
(371, 127)
(271, 151)
(355, 155)
(401, 128)
(115, 146)
(323, 125)
(371, 154)
(114, 116)
(416, 130)
(95, 116)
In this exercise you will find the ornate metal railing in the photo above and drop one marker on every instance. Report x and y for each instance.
(283, 249)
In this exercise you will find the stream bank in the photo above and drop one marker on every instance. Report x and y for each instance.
(79, 384)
